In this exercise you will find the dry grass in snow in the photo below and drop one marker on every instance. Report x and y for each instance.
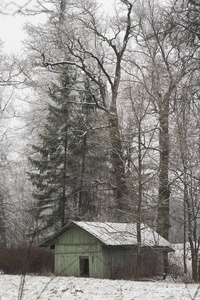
(71, 288)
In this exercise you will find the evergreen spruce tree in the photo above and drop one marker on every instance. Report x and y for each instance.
(53, 163)
(68, 161)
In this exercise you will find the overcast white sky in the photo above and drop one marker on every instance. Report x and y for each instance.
(11, 25)
(11, 32)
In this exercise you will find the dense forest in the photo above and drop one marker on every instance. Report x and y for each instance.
(100, 119)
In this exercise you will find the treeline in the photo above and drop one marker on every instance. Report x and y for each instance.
(113, 128)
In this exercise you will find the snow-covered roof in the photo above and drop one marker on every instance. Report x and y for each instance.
(118, 234)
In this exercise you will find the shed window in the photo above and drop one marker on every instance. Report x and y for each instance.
(84, 266)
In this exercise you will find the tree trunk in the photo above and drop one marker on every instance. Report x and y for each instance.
(2, 223)
(194, 254)
(63, 200)
(194, 245)
(139, 205)
(164, 192)
(163, 223)
(184, 226)
(83, 208)
(122, 193)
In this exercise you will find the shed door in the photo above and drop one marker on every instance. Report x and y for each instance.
(84, 266)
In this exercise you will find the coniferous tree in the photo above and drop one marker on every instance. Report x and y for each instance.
(68, 160)
(53, 173)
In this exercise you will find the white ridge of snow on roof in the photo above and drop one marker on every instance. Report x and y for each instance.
(116, 234)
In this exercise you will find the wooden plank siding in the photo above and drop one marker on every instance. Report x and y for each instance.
(119, 262)
(73, 244)
(106, 250)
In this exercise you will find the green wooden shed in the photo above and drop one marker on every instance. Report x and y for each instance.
(106, 250)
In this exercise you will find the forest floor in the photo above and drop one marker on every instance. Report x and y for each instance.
(71, 288)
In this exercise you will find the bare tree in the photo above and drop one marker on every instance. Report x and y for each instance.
(140, 133)
(186, 167)
(98, 50)
(14, 7)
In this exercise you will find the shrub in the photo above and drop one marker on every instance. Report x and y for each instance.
(23, 259)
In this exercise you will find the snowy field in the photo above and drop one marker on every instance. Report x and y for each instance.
(71, 288)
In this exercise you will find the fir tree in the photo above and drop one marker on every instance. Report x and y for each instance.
(69, 160)
(54, 175)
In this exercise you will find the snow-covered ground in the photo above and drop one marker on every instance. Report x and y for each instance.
(71, 288)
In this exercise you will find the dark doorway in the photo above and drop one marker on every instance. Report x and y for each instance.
(84, 266)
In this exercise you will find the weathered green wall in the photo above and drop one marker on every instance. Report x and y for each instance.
(120, 262)
(104, 261)
(152, 262)
(72, 244)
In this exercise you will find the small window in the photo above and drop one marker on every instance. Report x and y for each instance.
(84, 266)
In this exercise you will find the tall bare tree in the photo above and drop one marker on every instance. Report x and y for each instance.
(98, 50)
